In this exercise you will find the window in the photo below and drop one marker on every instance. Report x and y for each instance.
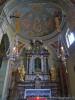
(70, 38)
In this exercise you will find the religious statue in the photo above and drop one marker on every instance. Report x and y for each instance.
(53, 73)
(21, 71)
(57, 22)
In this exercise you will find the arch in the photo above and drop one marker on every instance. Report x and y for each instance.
(4, 47)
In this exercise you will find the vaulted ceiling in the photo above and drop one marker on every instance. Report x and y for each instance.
(36, 18)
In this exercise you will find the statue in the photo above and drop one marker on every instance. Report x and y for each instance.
(57, 22)
(53, 73)
(21, 71)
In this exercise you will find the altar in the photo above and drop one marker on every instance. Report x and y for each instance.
(37, 93)
(33, 77)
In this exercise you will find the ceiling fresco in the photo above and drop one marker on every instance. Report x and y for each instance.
(35, 19)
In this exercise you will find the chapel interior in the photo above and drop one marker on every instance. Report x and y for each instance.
(37, 49)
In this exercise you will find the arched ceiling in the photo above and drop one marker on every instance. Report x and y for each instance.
(36, 18)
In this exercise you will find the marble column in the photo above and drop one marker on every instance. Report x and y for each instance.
(31, 65)
(45, 66)
(42, 64)
(27, 66)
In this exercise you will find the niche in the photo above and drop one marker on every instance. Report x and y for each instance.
(37, 64)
